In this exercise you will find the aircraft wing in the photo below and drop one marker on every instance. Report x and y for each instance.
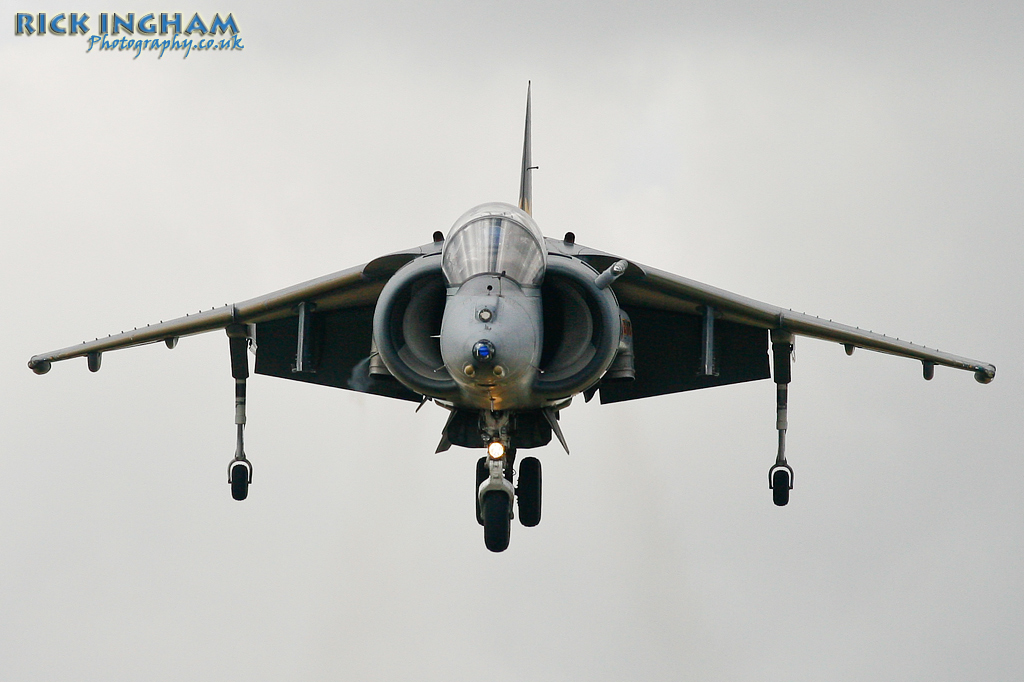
(343, 300)
(659, 288)
(667, 312)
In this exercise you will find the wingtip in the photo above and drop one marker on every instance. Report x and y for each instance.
(39, 365)
(985, 375)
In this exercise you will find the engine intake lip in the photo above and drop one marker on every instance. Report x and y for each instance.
(388, 316)
(607, 329)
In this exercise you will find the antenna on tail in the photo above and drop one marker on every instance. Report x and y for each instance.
(525, 180)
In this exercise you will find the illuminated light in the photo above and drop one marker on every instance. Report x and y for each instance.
(496, 450)
(469, 370)
(486, 315)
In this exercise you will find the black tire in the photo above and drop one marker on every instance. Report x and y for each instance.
(780, 487)
(510, 462)
(529, 491)
(496, 510)
(239, 482)
(481, 475)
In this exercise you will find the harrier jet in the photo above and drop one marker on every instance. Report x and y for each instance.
(503, 327)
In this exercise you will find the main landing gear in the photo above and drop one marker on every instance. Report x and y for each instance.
(240, 468)
(780, 476)
(495, 493)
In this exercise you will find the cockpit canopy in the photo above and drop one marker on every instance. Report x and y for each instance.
(495, 239)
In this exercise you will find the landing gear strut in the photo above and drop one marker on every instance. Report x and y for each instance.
(495, 493)
(780, 476)
(240, 468)
(494, 498)
(483, 473)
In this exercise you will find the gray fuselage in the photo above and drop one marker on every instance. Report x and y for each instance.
(491, 340)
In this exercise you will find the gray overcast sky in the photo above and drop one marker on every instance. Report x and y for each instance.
(861, 162)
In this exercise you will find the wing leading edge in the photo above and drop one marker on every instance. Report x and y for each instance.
(663, 290)
(641, 287)
(355, 287)
(668, 310)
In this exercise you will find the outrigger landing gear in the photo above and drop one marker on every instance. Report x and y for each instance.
(240, 468)
(240, 471)
(780, 476)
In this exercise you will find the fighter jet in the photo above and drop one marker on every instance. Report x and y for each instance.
(503, 327)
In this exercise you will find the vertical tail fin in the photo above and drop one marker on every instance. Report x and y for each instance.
(525, 180)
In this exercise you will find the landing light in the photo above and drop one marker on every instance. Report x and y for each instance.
(496, 450)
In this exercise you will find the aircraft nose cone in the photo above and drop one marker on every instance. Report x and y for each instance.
(483, 350)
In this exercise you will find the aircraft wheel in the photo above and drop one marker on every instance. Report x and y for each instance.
(529, 491)
(481, 475)
(780, 487)
(239, 482)
(496, 510)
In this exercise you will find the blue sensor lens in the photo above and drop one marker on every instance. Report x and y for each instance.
(483, 350)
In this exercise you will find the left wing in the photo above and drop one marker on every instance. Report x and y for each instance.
(658, 288)
(340, 300)
(668, 314)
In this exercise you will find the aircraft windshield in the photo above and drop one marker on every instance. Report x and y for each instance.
(498, 239)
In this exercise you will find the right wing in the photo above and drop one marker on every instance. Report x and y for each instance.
(343, 304)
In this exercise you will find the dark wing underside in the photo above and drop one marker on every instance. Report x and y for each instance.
(339, 353)
(667, 310)
(341, 309)
(667, 355)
